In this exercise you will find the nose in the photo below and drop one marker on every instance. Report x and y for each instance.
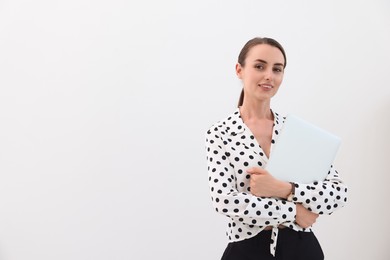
(268, 75)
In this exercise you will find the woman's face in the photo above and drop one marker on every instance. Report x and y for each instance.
(262, 73)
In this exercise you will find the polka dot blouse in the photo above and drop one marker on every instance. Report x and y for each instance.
(232, 149)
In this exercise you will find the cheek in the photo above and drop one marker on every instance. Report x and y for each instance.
(254, 77)
(279, 80)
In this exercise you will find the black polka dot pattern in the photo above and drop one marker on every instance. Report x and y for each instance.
(231, 149)
(322, 197)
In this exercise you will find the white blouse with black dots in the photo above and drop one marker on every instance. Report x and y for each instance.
(231, 150)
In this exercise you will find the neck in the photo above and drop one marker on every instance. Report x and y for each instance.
(256, 111)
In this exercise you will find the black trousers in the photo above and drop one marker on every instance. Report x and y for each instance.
(291, 245)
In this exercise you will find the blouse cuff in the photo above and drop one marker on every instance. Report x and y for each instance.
(287, 211)
(302, 193)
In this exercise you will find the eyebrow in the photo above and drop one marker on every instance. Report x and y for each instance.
(263, 61)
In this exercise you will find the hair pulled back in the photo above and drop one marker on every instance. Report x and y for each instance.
(248, 46)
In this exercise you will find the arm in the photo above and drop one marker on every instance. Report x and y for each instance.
(322, 197)
(264, 184)
(225, 194)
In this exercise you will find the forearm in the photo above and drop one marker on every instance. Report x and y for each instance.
(284, 190)
(253, 210)
(322, 197)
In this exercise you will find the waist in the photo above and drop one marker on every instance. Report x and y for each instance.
(271, 227)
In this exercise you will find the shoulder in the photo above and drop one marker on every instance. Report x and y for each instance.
(224, 126)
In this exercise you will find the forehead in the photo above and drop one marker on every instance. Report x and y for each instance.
(265, 52)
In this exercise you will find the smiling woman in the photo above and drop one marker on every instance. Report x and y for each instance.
(260, 47)
(268, 218)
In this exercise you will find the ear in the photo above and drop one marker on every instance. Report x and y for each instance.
(239, 70)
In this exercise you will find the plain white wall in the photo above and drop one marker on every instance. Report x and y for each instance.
(104, 106)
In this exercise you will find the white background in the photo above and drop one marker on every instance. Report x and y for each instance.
(104, 106)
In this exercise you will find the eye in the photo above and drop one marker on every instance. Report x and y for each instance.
(277, 69)
(259, 66)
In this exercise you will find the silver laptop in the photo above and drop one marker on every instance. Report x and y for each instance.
(303, 153)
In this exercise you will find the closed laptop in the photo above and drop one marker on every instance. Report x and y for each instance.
(303, 152)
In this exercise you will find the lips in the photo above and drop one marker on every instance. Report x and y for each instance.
(266, 86)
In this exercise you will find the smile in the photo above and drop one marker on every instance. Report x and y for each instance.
(265, 86)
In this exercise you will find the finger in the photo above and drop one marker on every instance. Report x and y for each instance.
(255, 170)
(251, 170)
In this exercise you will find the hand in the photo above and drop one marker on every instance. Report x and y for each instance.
(305, 218)
(263, 184)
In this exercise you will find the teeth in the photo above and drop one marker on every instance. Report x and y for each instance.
(265, 86)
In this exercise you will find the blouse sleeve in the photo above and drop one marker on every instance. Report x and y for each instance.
(322, 197)
(229, 201)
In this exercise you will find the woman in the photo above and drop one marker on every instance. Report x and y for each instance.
(268, 218)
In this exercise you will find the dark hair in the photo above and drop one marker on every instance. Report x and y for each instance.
(248, 46)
